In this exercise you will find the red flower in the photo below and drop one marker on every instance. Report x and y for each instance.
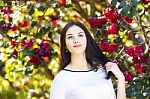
(112, 29)
(41, 17)
(15, 53)
(46, 59)
(44, 45)
(29, 44)
(145, 1)
(107, 12)
(129, 51)
(117, 62)
(47, 52)
(23, 43)
(128, 76)
(111, 48)
(108, 47)
(13, 43)
(139, 68)
(25, 24)
(36, 60)
(7, 10)
(134, 51)
(143, 59)
(138, 49)
(95, 22)
(126, 19)
(44, 50)
(63, 2)
(111, 15)
(19, 24)
(54, 19)
(103, 46)
(135, 59)
(14, 28)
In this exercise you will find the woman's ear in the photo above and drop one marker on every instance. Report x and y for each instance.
(66, 50)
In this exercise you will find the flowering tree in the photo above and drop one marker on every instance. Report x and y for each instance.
(29, 40)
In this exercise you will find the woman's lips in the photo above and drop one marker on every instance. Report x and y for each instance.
(76, 46)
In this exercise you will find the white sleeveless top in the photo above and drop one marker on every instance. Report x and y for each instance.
(90, 84)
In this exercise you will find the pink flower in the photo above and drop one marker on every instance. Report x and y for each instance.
(145, 1)
(117, 62)
(138, 49)
(139, 68)
(23, 43)
(108, 47)
(143, 59)
(112, 29)
(111, 15)
(95, 22)
(36, 61)
(128, 76)
(29, 44)
(135, 59)
(126, 19)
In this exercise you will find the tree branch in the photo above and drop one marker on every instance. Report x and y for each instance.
(80, 11)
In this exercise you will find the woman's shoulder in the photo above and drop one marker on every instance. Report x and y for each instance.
(60, 75)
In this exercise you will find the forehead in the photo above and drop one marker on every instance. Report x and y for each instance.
(74, 29)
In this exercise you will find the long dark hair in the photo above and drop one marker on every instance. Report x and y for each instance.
(94, 54)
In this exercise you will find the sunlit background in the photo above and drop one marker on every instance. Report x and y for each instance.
(29, 42)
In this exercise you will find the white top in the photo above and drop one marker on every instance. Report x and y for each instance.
(82, 85)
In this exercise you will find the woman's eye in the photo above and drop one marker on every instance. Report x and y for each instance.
(80, 35)
(69, 37)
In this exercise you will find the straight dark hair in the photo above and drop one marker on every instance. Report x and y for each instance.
(94, 54)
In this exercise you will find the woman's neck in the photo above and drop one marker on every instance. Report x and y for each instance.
(79, 62)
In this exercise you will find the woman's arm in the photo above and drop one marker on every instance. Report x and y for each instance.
(121, 88)
(58, 88)
(113, 67)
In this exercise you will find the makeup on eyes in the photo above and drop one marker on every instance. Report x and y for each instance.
(80, 34)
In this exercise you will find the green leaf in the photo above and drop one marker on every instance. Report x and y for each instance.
(34, 23)
(41, 8)
(32, 10)
(28, 71)
(98, 34)
(6, 45)
(122, 4)
(117, 40)
(113, 3)
(46, 29)
(120, 0)
(1, 7)
(122, 24)
(2, 3)
(135, 3)
(2, 22)
(133, 11)
(29, 64)
(68, 5)
(125, 9)
(50, 34)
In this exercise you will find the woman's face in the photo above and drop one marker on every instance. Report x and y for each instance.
(76, 40)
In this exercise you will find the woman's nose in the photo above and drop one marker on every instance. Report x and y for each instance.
(75, 40)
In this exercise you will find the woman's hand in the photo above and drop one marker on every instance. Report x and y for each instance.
(113, 67)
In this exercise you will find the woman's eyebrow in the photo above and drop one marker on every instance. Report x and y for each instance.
(68, 34)
(80, 32)
(72, 34)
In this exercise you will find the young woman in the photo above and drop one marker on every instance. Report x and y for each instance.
(85, 68)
